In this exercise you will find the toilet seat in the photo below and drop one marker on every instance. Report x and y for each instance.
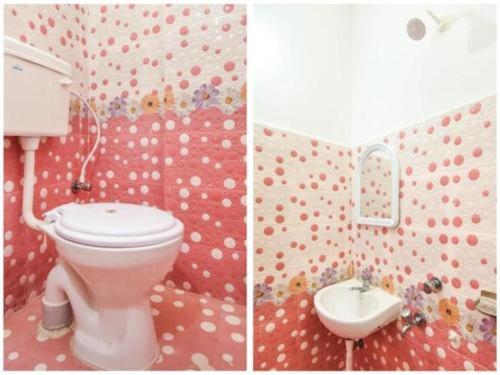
(116, 225)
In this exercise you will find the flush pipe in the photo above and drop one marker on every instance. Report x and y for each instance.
(30, 145)
(64, 288)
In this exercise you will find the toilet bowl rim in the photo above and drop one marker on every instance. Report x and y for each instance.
(49, 229)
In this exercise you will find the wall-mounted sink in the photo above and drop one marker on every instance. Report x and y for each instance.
(354, 315)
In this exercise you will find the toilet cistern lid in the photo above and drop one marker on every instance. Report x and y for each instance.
(116, 224)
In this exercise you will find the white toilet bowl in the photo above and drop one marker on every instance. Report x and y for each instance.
(111, 256)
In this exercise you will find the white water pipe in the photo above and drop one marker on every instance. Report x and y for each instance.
(30, 145)
(81, 178)
(349, 345)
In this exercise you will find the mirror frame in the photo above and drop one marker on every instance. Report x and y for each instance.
(393, 221)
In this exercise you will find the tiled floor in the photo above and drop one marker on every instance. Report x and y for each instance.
(195, 333)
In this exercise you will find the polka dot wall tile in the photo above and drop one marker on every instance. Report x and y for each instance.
(194, 332)
(168, 84)
(305, 239)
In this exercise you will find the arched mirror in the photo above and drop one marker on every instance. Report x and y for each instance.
(377, 187)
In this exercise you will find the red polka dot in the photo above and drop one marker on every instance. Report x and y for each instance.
(456, 283)
(268, 231)
(474, 284)
(459, 159)
(445, 121)
(216, 81)
(229, 66)
(268, 181)
(474, 174)
(472, 240)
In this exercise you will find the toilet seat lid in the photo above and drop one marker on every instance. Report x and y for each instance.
(116, 225)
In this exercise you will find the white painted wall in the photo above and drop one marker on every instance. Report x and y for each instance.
(301, 69)
(351, 74)
(397, 82)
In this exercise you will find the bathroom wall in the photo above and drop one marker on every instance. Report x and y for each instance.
(448, 230)
(168, 83)
(302, 239)
(302, 60)
(62, 31)
(305, 238)
(356, 65)
(397, 81)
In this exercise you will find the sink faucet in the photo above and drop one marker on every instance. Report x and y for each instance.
(366, 284)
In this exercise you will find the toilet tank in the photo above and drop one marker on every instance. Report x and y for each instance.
(36, 91)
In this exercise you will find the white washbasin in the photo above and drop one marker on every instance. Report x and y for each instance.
(354, 315)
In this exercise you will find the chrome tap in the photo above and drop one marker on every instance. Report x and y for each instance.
(406, 316)
(77, 186)
(366, 284)
(417, 320)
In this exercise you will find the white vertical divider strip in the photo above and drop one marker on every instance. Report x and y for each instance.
(251, 52)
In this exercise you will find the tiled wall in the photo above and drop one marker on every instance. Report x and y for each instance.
(447, 229)
(62, 31)
(168, 83)
(302, 234)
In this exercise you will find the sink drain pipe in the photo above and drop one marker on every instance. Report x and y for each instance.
(349, 345)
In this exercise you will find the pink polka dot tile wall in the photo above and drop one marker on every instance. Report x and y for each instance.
(168, 83)
(305, 239)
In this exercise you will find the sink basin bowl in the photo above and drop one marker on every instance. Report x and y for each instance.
(353, 315)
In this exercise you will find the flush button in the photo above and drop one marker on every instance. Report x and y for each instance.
(111, 211)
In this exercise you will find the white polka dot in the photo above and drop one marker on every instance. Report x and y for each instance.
(472, 347)
(229, 242)
(227, 357)
(43, 192)
(229, 288)
(237, 337)
(207, 312)
(270, 327)
(167, 336)
(184, 138)
(441, 352)
(156, 298)
(229, 183)
(40, 367)
(280, 313)
(468, 366)
(195, 181)
(233, 320)
(208, 327)
(195, 237)
(216, 254)
(229, 124)
(178, 304)
(228, 308)
(132, 176)
(132, 129)
(13, 356)
(61, 358)
(8, 186)
(168, 350)
(8, 250)
(170, 124)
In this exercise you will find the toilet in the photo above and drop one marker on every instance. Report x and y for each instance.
(111, 255)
